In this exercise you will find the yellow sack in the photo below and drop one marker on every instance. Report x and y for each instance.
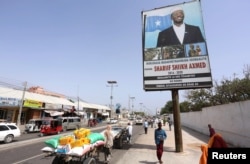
(66, 140)
(81, 133)
(77, 143)
(87, 131)
(85, 140)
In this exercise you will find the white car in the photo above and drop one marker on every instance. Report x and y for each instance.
(9, 131)
(138, 121)
(113, 121)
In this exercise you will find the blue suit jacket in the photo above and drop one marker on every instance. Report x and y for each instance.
(168, 37)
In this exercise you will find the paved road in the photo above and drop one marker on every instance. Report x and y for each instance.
(28, 150)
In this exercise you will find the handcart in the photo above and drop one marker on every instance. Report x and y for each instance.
(120, 136)
(87, 156)
(70, 151)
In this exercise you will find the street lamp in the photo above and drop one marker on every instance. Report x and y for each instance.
(111, 96)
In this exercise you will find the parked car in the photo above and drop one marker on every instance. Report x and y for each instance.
(113, 121)
(70, 123)
(138, 121)
(9, 131)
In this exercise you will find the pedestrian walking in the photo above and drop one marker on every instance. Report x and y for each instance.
(159, 136)
(108, 143)
(129, 132)
(156, 122)
(169, 124)
(211, 130)
(145, 125)
(152, 123)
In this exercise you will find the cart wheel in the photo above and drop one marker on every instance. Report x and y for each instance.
(41, 134)
(58, 160)
(89, 160)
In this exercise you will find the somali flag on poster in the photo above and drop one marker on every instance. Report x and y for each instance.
(155, 24)
(160, 23)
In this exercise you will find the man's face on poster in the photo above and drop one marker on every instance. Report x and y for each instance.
(178, 16)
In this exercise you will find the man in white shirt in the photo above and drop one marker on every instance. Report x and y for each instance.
(129, 130)
(179, 33)
(145, 125)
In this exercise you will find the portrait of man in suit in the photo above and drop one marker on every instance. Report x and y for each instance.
(179, 33)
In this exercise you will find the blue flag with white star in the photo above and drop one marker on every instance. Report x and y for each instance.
(154, 23)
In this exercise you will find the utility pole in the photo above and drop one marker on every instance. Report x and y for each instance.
(21, 105)
(78, 106)
(129, 103)
(78, 100)
(111, 96)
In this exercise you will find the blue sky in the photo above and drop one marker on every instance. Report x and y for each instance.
(74, 47)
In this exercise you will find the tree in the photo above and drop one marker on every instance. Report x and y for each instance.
(168, 108)
(232, 91)
(223, 92)
(185, 106)
(198, 98)
(227, 91)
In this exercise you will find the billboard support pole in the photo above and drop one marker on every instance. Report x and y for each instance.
(177, 121)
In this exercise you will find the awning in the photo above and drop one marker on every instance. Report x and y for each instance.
(84, 105)
(80, 113)
(49, 100)
(54, 113)
(101, 107)
(17, 94)
(53, 106)
(105, 114)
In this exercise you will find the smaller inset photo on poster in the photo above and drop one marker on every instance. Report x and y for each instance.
(172, 52)
(152, 54)
(195, 49)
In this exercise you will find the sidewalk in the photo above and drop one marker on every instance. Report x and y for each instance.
(143, 150)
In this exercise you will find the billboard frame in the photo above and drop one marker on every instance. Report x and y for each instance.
(179, 71)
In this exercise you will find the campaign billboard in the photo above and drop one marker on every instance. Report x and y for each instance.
(175, 54)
